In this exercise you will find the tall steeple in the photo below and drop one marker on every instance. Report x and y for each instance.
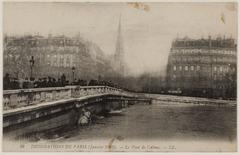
(119, 53)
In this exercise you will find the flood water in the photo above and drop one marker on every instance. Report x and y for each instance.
(165, 121)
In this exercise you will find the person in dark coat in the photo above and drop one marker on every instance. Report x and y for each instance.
(6, 81)
(59, 83)
(63, 79)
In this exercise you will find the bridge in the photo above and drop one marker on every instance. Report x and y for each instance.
(28, 111)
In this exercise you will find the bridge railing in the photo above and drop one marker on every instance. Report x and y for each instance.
(24, 97)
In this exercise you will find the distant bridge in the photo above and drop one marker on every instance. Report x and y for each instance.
(34, 110)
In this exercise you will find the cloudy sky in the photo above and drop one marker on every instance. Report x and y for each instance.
(147, 34)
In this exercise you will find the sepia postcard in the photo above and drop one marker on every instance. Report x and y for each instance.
(119, 76)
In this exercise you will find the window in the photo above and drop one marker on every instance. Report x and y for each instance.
(198, 68)
(186, 68)
(67, 61)
(174, 68)
(61, 61)
(55, 60)
(48, 59)
(227, 69)
(215, 77)
(192, 68)
(174, 77)
(180, 68)
(221, 68)
(215, 68)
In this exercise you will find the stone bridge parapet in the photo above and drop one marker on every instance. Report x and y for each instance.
(13, 99)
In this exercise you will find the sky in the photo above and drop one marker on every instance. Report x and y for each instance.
(147, 35)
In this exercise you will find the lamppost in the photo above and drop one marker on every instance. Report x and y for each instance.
(32, 61)
(73, 70)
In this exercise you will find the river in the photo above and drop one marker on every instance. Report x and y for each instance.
(164, 121)
(161, 122)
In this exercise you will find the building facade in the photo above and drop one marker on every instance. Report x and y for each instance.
(54, 56)
(203, 67)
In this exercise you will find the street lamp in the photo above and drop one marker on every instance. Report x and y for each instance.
(73, 70)
(31, 66)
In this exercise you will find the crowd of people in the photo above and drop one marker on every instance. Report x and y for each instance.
(10, 83)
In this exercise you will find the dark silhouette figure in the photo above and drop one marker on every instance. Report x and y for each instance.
(6, 81)
(63, 79)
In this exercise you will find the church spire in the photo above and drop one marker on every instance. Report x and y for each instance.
(119, 53)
